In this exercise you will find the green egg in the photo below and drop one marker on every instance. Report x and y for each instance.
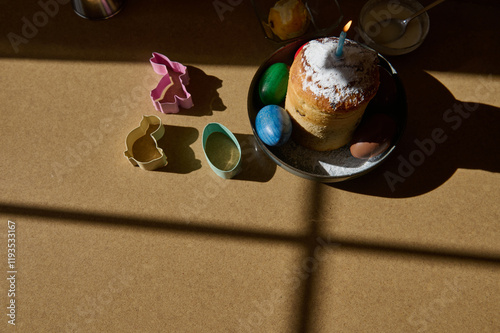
(273, 84)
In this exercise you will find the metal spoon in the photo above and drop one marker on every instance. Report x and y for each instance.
(395, 28)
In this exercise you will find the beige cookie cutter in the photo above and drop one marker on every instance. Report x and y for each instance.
(142, 144)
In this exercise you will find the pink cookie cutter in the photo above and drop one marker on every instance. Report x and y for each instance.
(171, 92)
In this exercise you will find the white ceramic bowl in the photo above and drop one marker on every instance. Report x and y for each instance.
(378, 10)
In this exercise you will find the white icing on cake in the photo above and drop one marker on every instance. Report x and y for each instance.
(340, 80)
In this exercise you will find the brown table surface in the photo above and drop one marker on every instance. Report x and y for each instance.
(102, 246)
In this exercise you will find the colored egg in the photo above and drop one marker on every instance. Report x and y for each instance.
(298, 51)
(273, 125)
(273, 84)
(373, 136)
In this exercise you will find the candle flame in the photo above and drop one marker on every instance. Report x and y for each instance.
(347, 26)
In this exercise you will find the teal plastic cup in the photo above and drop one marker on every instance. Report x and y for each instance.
(222, 150)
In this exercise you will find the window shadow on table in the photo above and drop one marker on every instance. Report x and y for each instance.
(184, 32)
(442, 135)
(201, 34)
(308, 292)
(472, 145)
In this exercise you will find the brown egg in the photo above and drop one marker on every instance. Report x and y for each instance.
(373, 136)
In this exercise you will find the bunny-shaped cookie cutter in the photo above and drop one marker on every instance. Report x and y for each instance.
(142, 144)
(171, 92)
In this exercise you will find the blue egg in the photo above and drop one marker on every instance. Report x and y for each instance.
(273, 125)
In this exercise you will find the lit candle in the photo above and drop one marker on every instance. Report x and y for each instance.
(343, 34)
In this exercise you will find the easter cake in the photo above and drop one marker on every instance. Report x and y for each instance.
(327, 95)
